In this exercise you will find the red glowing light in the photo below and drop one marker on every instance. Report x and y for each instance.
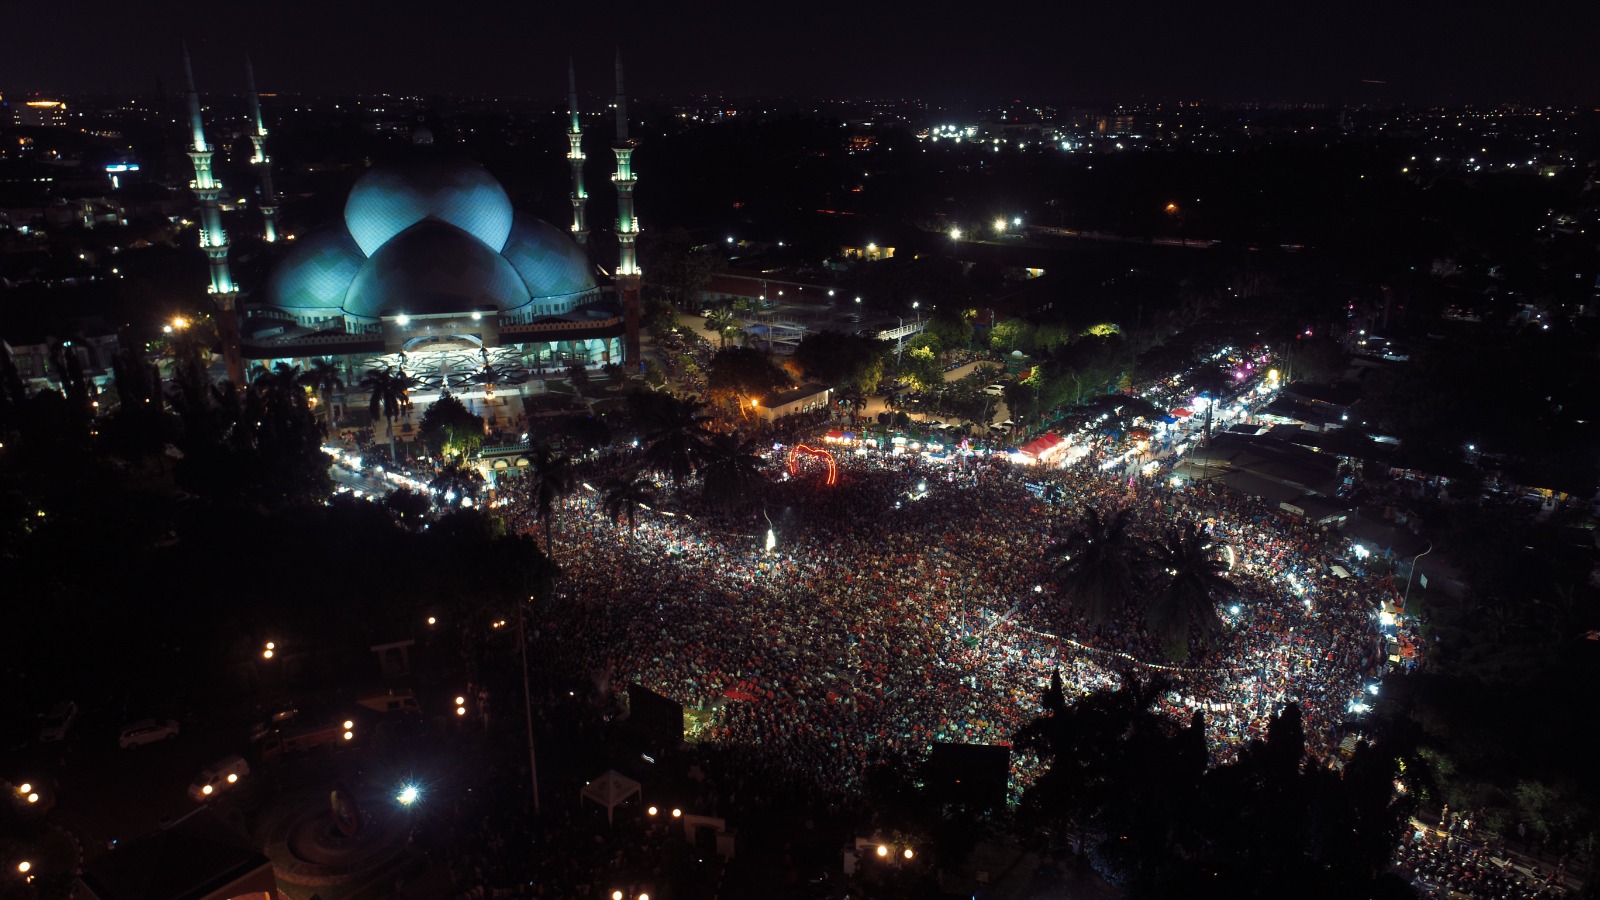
(802, 450)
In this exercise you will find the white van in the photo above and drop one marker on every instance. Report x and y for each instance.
(148, 731)
(219, 777)
(393, 702)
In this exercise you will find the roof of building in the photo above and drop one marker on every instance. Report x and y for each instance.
(390, 199)
(790, 396)
(192, 858)
(427, 238)
(434, 268)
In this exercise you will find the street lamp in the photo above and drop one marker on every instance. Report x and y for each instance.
(916, 306)
(1406, 599)
(999, 226)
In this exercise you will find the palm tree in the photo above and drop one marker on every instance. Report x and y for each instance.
(388, 387)
(323, 377)
(851, 398)
(1195, 579)
(554, 479)
(625, 494)
(722, 322)
(674, 439)
(731, 468)
(457, 482)
(1098, 565)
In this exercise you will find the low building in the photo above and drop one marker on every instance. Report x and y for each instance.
(804, 398)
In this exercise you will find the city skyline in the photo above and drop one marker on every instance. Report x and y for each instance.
(1354, 54)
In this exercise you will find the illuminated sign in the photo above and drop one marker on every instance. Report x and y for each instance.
(802, 450)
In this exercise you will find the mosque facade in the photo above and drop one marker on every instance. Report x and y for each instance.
(429, 271)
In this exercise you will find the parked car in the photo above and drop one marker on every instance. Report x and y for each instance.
(273, 717)
(54, 726)
(401, 701)
(995, 390)
(219, 777)
(146, 731)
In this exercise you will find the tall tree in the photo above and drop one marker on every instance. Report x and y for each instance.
(626, 493)
(554, 479)
(457, 483)
(731, 472)
(673, 433)
(388, 388)
(324, 378)
(1098, 565)
(1193, 579)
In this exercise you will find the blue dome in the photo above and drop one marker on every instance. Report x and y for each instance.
(388, 200)
(551, 263)
(431, 268)
(316, 273)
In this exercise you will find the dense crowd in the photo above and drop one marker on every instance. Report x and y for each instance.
(910, 603)
(1448, 863)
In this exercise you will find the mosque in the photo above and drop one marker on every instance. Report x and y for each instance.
(430, 272)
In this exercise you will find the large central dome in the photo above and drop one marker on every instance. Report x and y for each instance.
(431, 238)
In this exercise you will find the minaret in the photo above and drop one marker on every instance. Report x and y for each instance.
(213, 240)
(260, 159)
(627, 226)
(580, 197)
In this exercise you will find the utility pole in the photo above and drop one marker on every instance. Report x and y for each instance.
(527, 702)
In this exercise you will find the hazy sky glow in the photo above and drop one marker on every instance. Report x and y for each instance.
(1423, 51)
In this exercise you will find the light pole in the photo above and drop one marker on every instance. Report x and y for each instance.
(1407, 598)
(916, 308)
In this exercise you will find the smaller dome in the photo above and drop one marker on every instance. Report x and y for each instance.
(431, 268)
(390, 199)
(316, 273)
(552, 264)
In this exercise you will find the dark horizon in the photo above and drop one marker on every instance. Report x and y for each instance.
(1364, 53)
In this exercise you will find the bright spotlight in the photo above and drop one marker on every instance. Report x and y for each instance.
(882, 850)
(677, 813)
(909, 854)
(266, 654)
(25, 788)
(408, 795)
(34, 798)
(233, 778)
(653, 810)
(461, 710)
(24, 866)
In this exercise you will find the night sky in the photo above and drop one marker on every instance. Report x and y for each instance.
(1421, 50)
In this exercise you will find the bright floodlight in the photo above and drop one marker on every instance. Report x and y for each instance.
(461, 710)
(909, 854)
(432, 620)
(1234, 609)
(955, 234)
(266, 654)
(24, 866)
(271, 646)
(882, 850)
(461, 701)
(402, 321)
(772, 540)
(1015, 220)
(206, 790)
(408, 795)
(652, 810)
(233, 778)
(33, 798)
(677, 813)
(616, 895)
(25, 788)
(1000, 225)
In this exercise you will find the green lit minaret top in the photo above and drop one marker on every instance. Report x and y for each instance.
(580, 197)
(627, 224)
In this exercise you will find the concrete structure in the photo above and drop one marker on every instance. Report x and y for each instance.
(801, 399)
(628, 272)
(575, 157)
(213, 240)
(260, 159)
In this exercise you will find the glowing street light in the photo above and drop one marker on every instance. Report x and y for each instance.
(908, 853)
(883, 851)
(677, 813)
(999, 226)
(955, 234)
(24, 866)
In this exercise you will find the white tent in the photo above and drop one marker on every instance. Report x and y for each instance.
(610, 790)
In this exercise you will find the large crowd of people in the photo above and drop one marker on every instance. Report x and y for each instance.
(911, 603)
